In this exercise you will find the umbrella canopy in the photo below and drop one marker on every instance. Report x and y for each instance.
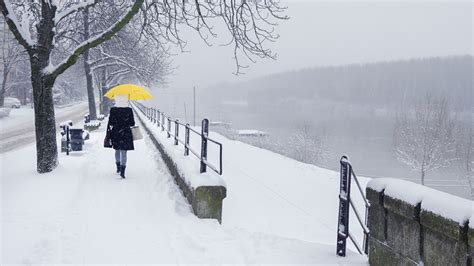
(134, 92)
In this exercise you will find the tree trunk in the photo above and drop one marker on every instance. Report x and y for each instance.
(4, 87)
(45, 126)
(42, 83)
(90, 87)
(423, 177)
(87, 69)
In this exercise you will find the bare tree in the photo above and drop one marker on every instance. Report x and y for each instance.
(127, 57)
(11, 55)
(48, 20)
(54, 21)
(307, 146)
(249, 23)
(424, 136)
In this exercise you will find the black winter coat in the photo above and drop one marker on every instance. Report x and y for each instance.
(118, 128)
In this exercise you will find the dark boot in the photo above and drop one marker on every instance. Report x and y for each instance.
(118, 167)
(122, 171)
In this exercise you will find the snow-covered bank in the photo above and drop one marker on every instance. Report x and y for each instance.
(84, 213)
(281, 196)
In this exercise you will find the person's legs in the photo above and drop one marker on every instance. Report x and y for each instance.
(117, 156)
(123, 157)
(123, 162)
(117, 160)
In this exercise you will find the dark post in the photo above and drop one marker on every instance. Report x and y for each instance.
(204, 135)
(162, 122)
(68, 140)
(176, 131)
(186, 140)
(158, 117)
(169, 127)
(344, 198)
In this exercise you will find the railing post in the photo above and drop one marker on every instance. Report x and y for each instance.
(176, 131)
(344, 201)
(186, 140)
(204, 135)
(162, 122)
(68, 140)
(158, 117)
(169, 127)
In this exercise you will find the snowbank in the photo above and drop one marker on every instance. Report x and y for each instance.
(441, 203)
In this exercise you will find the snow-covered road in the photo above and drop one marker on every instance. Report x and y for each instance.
(84, 213)
(18, 129)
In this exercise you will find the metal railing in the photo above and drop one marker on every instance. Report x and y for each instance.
(165, 123)
(345, 202)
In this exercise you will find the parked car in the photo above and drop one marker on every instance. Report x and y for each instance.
(12, 102)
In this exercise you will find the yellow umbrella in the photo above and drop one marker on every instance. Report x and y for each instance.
(134, 92)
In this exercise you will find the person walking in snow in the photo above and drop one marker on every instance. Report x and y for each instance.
(119, 132)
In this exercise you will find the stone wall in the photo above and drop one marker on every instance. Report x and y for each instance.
(402, 233)
(206, 201)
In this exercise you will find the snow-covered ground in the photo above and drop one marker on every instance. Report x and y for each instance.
(277, 210)
(283, 196)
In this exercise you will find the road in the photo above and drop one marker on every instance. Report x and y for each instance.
(16, 134)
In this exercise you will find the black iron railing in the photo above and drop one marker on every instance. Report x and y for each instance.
(173, 128)
(345, 203)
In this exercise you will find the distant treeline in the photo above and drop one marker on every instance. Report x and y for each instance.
(381, 85)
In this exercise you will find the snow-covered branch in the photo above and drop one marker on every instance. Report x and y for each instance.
(77, 7)
(19, 29)
(94, 41)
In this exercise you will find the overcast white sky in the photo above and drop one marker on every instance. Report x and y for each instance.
(334, 33)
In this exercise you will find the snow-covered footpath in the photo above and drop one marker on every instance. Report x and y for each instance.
(84, 213)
